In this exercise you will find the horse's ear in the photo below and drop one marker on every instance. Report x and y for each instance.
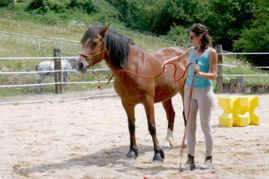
(103, 30)
(89, 26)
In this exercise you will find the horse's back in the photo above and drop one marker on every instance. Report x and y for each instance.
(149, 64)
(49, 65)
(45, 66)
(169, 52)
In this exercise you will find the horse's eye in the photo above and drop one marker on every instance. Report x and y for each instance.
(93, 45)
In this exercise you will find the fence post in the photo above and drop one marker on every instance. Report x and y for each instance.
(240, 84)
(58, 75)
(219, 82)
(14, 3)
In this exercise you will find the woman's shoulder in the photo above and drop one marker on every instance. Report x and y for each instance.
(190, 49)
(212, 51)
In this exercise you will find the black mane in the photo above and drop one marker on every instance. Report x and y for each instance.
(116, 44)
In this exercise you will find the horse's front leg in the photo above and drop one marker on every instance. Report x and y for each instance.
(149, 108)
(129, 108)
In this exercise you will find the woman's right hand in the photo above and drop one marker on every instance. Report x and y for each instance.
(163, 64)
(168, 61)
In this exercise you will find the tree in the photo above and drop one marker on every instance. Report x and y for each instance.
(4, 3)
(40, 6)
(256, 38)
(228, 18)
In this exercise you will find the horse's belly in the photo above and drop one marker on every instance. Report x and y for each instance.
(136, 95)
(131, 94)
(165, 92)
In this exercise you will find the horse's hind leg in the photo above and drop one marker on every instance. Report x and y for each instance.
(39, 81)
(182, 97)
(129, 108)
(149, 107)
(170, 114)
(65, 80)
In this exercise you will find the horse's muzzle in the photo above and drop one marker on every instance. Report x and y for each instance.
(82, 66)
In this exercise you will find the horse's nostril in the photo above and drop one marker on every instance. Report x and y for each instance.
(80, 65)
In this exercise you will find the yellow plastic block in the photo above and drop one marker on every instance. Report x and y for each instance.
(238, 111)
(226, 120)
(253, 103)
(226, 103)
(241, 120)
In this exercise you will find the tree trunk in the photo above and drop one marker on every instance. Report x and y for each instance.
(14, 2)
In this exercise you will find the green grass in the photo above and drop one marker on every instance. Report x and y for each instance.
(243, 67)
(47, 27)
(25, 47)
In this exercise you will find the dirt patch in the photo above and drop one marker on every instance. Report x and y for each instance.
(88, 138)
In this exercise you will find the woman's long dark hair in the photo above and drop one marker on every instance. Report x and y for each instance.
(206, 40)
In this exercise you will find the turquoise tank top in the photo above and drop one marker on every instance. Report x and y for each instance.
(203, 63)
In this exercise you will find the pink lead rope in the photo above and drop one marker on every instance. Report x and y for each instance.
(188, 120)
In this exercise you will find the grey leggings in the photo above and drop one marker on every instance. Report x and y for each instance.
(202, 98)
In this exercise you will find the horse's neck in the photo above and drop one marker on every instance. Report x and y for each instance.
(110, 65)
(129, 63)
(72, 62)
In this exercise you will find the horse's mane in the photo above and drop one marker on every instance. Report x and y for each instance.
(116, 44)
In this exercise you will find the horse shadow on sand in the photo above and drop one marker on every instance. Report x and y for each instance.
(101, 158)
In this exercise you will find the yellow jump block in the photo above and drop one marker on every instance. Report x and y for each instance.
(238, 111)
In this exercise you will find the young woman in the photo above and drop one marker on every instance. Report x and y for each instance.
(202, 96)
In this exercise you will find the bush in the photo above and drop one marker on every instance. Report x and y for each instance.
(87, 6)
(39, 6)
(4, 3)
(93, 10)
(179, 34)
(256, 38)
(57, 6)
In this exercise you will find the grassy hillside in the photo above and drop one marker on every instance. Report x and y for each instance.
(44, 31)
(40, 41)
(241, 66)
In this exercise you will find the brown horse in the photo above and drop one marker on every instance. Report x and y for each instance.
(121, 53)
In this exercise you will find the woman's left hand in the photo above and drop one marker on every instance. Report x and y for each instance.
(196, 69)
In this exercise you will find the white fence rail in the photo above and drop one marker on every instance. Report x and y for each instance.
(245, 53)
(105, 69)
(37, 72)
(50, 71)
(44, 84)
(35, 58)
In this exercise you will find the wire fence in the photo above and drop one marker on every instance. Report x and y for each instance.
(18, 77)
(144, 39)
(68, 47)
(103, 69)
(125, 30)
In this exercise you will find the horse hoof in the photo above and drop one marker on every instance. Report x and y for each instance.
(158, 157)
(157, 162)
(166, 144)
(166, 148)
(131, 154)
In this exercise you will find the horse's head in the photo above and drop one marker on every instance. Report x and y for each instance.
(93, 48)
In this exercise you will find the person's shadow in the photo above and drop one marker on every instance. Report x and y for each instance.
(102, 158)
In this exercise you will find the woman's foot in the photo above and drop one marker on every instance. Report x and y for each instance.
(207, 164)
(189, 165)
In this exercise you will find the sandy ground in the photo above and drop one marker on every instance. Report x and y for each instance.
(65, 137)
